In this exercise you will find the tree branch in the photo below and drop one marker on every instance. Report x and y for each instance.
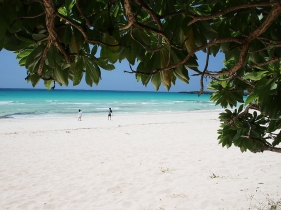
(53, 37)
(42, 61)
(82, 14)
(231, 9)
(231, 122)
(268, 46)
(268, 148)
(79, 28)
(130, 16)
(202, 75)
(148, 50)
(30, 17)
(264, 63)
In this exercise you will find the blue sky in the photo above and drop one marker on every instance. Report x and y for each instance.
(12, 76)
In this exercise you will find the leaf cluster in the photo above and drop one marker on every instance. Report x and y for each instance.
(65, 41)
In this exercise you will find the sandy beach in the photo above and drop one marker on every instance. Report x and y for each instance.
(143, 162)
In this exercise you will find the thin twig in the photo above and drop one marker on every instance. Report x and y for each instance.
(231, 9)
(30, 17)
(82, 14)
(264, 63)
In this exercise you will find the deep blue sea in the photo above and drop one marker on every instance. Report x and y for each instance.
(18, 103)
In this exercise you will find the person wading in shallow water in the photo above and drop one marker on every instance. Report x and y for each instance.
(109, 114)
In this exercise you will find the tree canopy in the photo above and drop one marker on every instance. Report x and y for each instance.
(61, 40)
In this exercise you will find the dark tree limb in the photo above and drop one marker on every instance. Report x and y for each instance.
(202, 75)
(42, 61)
(53, 37)
(129, 14)
(273, 15)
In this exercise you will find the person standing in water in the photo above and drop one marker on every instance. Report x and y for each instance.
(109, 114)
(79, 114)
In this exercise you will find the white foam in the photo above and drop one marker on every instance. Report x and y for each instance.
(5, 102)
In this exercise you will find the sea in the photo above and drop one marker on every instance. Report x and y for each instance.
(42, 103)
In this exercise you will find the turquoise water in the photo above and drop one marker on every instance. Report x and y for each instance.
(18, 103)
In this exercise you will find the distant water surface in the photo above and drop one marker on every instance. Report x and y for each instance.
(18, 103)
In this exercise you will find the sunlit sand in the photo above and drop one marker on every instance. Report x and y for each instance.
(151, 162)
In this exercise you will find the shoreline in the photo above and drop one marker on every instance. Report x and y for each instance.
(85, 114)
(163, 161)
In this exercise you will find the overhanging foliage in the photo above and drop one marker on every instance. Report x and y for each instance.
(59, 40)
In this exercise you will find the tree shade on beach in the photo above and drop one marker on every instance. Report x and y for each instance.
(60, 41)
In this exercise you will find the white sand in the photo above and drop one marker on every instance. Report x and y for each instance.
(145, 162)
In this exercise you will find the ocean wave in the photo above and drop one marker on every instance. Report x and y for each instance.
(106, 108)
(50, 100)
(148, 103)
(202, 102)
(101, 108)
(5, 102)
(70, 103)
(132, 103)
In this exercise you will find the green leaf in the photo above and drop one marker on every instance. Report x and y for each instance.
(34, 79)
(94, 50)
(88, 79)
(144, 77)
(166, 78)
(61, 76)
(51, 57)
(16, 26)
(116, 10)
(93, 71)
(48, 84)
(207, 30)
(105, 65)
(112, 56)
(156, 81)
(37, 52)
(181, 73)
(191, 62)
(22, 61)
(77, 69)
(67, 34)
(38, 36)
(77, 79)
(277, 140)
(141, 36)
(255, 75)
(74, 44)
(250, 98)
(256, 58)
(24, 53)
(62, 11)
(68, 6)
(111, 41)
